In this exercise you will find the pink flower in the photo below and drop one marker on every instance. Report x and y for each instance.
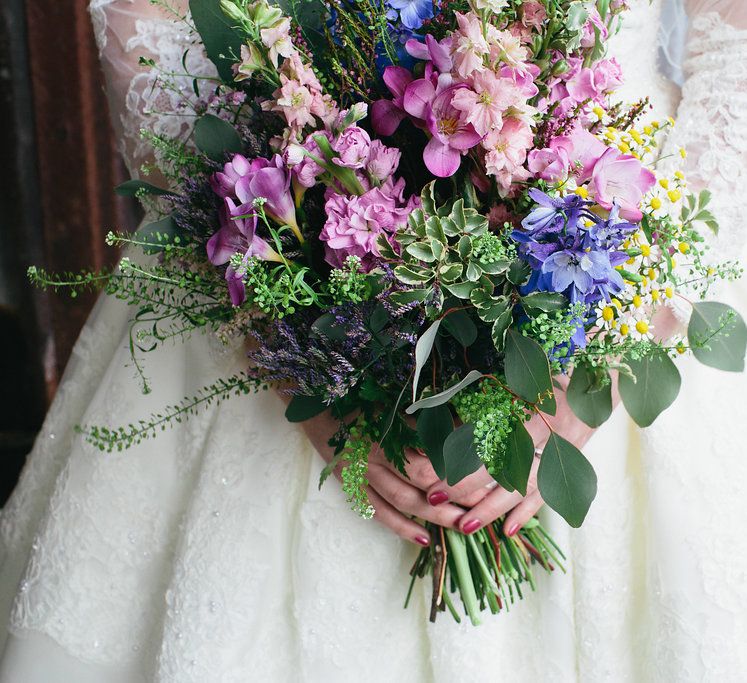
(277, 40)
(533, 14)
(386, 115)
(352, 146)
(451, 136)
(594, 84)
(438, 53)
(484, 102)
(304, 169)
(552, 163)
(588, 39)
(506, 152)
(224, 183)
(587, 149)
(623, 180)
(354, 223)
(469, 46)
(382, 161)
(294, 102)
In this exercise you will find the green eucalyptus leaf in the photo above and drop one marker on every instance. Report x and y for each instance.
(519, 458)
(215, 137)
(423, 350)
(303, 408)
(446, 395)
(460, 326)
(717, 336)
(566, 480)
(434, 426)
(589, 398)
(460, 454)
(528, 371)
(657, 383)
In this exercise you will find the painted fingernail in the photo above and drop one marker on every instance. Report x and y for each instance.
(471, 526)
(512, 529)
(438, 497)
(423, 540)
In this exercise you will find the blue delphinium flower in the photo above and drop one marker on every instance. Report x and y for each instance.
(412, 13)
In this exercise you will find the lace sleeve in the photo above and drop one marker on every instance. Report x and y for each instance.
(159, 99)
(712, 117)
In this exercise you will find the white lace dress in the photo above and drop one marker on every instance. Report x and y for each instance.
(209, 555)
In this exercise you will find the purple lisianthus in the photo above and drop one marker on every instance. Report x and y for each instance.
(354, 223)
(412, 13)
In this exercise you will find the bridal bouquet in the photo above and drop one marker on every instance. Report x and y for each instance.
(420, 213)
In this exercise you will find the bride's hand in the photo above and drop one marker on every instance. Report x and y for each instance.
(394, 497)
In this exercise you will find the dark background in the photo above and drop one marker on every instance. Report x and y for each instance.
(58, 165)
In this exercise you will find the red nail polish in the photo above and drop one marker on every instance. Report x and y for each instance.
(438, 497)
(423, 540)
(512, 529)
(471, 526)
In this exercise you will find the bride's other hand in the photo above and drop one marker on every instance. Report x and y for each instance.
(395, 498)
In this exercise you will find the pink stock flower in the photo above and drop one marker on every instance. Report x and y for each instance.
(382, 160)
(533, 14)
(551, 163)
(451, 136)
(588, 39)
(594, 83)
(506, 151)
(294, 102)
(507, 48)
(354, 223)
(352, 146)
(484, 102)
(386, 115)
(622, 180)
(469, 46)
(277, 40)
(304, 169)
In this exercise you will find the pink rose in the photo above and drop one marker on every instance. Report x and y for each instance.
(623, 180)
(553, 162)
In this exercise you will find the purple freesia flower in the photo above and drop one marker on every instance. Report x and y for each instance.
(386, 115)
(237, 235)
(451, 137)
(412, 13)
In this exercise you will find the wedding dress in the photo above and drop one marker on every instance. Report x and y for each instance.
(208, 554)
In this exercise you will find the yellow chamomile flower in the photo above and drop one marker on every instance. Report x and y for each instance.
(640, 326)
(605, 317)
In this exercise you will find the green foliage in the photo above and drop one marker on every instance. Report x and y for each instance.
(302, 408)
(717, 336)
(493, 412)
(136, 188)
(528, 371)
(215, 137)
(552, 330)
(354, 472)
(349, 283)
(460, 454)
(589, 395)
(566, 480)
(219, 35)
(434, 426)
(445, 395)
(519, 457)
(655, 385)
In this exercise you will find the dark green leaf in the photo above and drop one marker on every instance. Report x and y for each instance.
(717, 336)
(566, 480)
(518, 272)
(657, 383)
(528, 371)
(304, 407)
(590, 399)
(545, 301)
(460, 326)
(221, 40)
(409, 296)
(434, 426)
(519, 458)
(133, 187)
(215, 137)
(500, 328)
(460, 454)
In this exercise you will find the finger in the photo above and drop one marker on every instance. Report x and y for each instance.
(469, 491)
(401, 525)
(406, 498)
(418, 468)
(522, 513)
(494, 505)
